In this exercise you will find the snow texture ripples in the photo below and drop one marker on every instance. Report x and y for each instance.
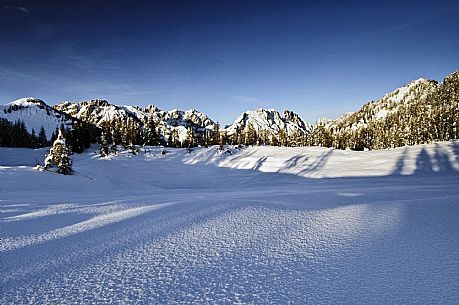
(271, 238)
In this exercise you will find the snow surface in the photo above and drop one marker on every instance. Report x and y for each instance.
(263, 225)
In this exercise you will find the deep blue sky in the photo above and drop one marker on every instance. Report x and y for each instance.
(318, 58)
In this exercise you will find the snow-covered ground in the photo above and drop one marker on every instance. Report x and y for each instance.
(263, 225)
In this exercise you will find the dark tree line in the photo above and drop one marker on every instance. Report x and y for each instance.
(16, 134)
(80, 136)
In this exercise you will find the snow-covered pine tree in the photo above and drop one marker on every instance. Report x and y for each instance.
(58, 157)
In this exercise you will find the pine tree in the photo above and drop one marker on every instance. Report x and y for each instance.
(58, 157)
(81, 136)
(250, 135)
(151, 136)
(5, 132)
(104, 149)
(223, 139)
(42, 140)
(125, 136)
(283, 139)
(54, 135)
(19, 135)
(216, 134)
(274, 140)
(189, 141)
(263, 138)
(237, 136)
(33, 139)
(115, 130)
(205, 138)
(173, 140)
(170, 141)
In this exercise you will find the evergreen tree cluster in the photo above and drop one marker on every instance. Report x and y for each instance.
(78, 138)
(250, 136)
(16, 135)
(123, 132)
(81, 136)
(129, 134)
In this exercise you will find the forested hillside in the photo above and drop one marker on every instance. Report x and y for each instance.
(424, 111)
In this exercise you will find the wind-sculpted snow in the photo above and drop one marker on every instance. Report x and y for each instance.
(250, 227)
(90, 224)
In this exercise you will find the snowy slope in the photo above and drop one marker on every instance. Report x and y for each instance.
(319, 162)
(35, 114)
(250, 227)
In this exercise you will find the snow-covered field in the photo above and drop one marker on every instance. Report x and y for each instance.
(263, 225)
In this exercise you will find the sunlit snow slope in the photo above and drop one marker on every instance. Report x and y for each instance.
(262, 225)
(35, 114)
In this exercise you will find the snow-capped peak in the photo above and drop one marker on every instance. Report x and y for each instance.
(268, 120)
(408, 91)
(35, 114)
(26, 101)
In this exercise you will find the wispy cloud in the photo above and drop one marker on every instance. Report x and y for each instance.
(19, 8)
(22, 9)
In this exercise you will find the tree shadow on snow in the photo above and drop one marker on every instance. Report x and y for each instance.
(318, 163)
(431, 162)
